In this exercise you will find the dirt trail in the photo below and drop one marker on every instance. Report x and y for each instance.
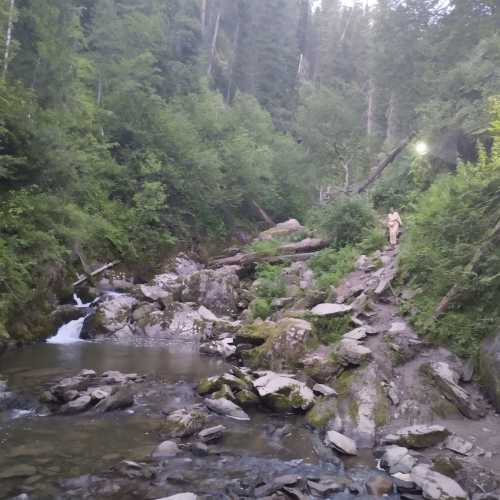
(398, 355)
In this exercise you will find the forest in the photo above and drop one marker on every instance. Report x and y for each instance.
(249, 249)
(132, 128)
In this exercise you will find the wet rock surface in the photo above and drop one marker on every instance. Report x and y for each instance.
(107, 392)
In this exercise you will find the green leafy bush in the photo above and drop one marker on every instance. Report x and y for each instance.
(344, 222)
(267, 248)
(260, 308)
(270, 285)
(331, 265)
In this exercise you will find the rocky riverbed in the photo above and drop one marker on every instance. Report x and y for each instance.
(180, 389)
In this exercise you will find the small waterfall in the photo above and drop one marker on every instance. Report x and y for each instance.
(79, 303)
(68, 333)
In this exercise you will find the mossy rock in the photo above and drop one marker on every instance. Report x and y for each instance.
(247, 398)
(322, 412)
(209, 385)
(255, 358)
(224, 392)
(256, 333)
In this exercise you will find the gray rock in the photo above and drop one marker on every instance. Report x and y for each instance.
(435, 486)
(78, 405)
(341, 443)
(277, 483)
(226, 408)
(357, 334)
(224, 348)
(212, 433)
(489, 368)
(167, 449)
(217, 289)
(446, 380)
(112, 315)
(123, 398)
(154, 292)
(352, 352)
(100, 393)
(324, 390)
(418, 436)
(333, 310)
(185, 422)
(403, 481)
(325, 487)
(398, 460)
(282, 229)
(458, 445)
(118, 378)
(283, 393)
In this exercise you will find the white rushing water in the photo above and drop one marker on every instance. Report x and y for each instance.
(68, 333)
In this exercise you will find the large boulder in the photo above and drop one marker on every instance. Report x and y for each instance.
(320, 364)
(216, 289)
(179, 321)
(446, 380)
(418, 436)
(341, 443)
(113, 315)
(285, 345)
(282, 230)
(283, 393)
(489, 368)
(436, 486)
(352, 352)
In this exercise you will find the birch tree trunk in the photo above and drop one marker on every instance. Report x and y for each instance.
(203, 19)
(393, 123)
(213, 45)
(230, 79)
(8, 39)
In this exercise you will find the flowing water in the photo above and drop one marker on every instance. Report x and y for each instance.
(54, 448)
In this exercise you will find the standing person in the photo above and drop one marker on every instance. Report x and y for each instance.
(393, 223)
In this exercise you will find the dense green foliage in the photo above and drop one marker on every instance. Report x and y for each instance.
(130, 127)
(344, 222)
(455, 219)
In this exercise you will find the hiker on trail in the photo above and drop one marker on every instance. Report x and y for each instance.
(393, 223)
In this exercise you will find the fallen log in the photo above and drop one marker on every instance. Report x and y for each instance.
(381, 166)
(304, 246)
(100, 270)
(250, 259)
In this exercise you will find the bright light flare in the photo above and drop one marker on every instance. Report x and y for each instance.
(422, 148)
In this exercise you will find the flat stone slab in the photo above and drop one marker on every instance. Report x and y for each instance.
(436, 486)
(357, 334)
(324, 390)
(226, 408)
(212, 433)
(331, 310)
(341, 443)
(458, 445)
(446, 380)
(418, 436)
